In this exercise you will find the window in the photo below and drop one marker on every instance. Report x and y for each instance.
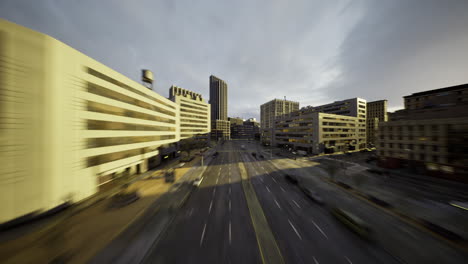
(400, 146)
(390, 145)
(435, 148)
(422, 147)
(435, 158)
(421, 156)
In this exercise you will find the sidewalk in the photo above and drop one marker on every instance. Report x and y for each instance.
(79, 236)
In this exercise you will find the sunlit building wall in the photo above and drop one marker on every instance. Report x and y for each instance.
(268, 113)
(194, 113)
(316, 132)
(69, 124)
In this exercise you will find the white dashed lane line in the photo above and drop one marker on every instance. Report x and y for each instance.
(282, 189)
(211, 205)
(268, 189)
(320, 229)
(202, 235)
(295, 230)
(349, 261)
(315, 260)
(277, 204)
(296, 204)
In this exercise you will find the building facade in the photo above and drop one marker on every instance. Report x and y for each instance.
(356, 107)
(241, 129)
(430, 136)
(316, 132)
(268, 113)
(70, 125)
(376, 113)
(195, 113)
(220, 128)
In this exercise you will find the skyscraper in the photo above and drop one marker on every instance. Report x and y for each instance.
(220, 128)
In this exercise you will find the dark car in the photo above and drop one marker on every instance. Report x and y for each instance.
(215, 154)
(291, 178)
(353, 222)
(312, 195)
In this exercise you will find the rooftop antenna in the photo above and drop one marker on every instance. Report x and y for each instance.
(285, 98)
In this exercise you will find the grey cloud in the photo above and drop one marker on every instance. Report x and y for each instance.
(310, 51)
(401, 47)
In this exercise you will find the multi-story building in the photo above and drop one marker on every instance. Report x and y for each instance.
(443, 97)
(268, 112)
(220, 128)
(376, 113)
(350, 107)
(194, 113)
(316, 132)
(70, 125)
(241, 129)
(430, 135)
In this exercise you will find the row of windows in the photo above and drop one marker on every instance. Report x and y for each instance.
(102, 91)
(197, 112)
(193, 116)
(409, 137)
(192, 125)
(412, 156)
(203, 109)
(112, 110)
(194, 121)
(192, 130)
(129, 88)
(105, 158)
(115, 141)
(107, 125)
(412, 147)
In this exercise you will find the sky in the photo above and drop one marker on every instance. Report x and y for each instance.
(313, 52)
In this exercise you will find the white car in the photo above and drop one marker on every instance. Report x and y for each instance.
(197, 182)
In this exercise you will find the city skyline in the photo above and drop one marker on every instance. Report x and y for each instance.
(366, 49)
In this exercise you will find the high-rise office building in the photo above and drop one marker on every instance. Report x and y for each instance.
(220, 128)
(376, 113)
(269, 111)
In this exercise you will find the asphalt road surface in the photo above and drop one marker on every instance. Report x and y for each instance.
(215, 224)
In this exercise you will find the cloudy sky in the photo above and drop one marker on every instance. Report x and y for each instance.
(310, 51)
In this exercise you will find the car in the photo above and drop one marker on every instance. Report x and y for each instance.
(262, 157)
(353, 222)
(312, 195)
(291, 178)
(197, 182)
(215, 154)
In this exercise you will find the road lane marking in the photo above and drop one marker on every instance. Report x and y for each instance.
(315, 260)
(229, 190)
(191, 212)
(277, 204)
(230, 238)
(268, 189)
(217, 179)
(274, 180)
(214, 191)
(211, 204)
(229, 205)
(320, 229)
(295, 230)
(296, 204)
(350, 262)
(282, 189)
(261, 179)
(202, 235)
